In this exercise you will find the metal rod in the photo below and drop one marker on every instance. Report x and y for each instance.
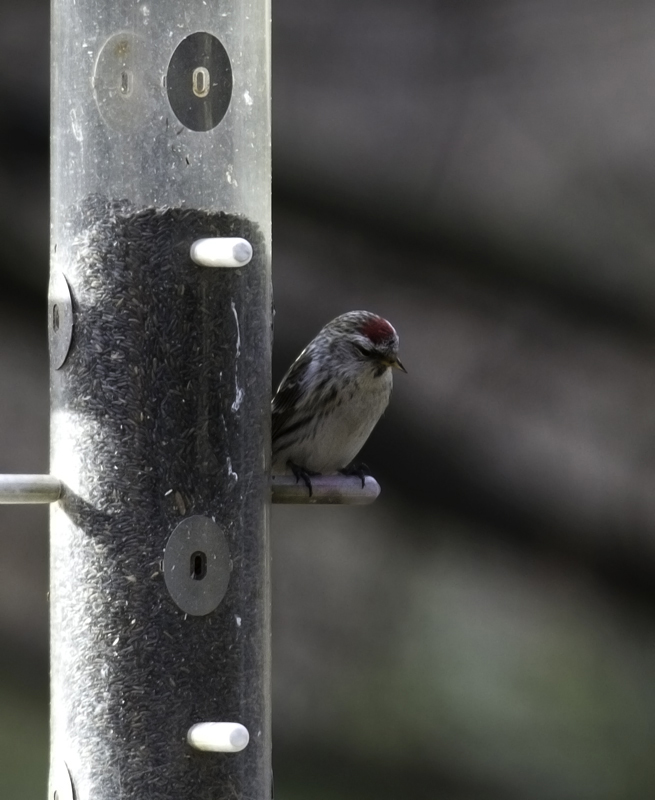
(326, 489)
(29, 489)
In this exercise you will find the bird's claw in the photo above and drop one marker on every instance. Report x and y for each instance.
(304, 474)
(360, 470)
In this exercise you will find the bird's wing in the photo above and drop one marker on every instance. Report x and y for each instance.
(288, 396)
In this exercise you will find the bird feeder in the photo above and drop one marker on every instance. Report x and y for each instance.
(159, 319)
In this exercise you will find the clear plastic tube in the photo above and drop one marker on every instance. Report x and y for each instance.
(160, 406)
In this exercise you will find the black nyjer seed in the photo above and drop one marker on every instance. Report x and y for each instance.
(160, 413)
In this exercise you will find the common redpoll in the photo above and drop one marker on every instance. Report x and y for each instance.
(333, 395)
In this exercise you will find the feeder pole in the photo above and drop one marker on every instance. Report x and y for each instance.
(160, 320)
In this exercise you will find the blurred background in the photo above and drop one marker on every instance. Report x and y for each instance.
(482, 174)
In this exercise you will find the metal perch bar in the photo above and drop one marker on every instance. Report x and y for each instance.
(326, 490)
(29, 489)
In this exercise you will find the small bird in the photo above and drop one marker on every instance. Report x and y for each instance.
(332, 396)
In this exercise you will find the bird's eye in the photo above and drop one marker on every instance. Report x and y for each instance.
(365, 351)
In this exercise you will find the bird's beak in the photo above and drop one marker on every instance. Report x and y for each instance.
(395, 363)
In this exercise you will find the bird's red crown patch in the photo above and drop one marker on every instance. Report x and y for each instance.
(377, 330)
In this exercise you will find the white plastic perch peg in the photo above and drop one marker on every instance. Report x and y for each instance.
(218, 737)
(221, 252)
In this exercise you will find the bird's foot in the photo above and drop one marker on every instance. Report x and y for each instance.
(360, 470)
(302, 474)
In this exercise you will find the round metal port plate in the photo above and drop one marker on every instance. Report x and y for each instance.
(199, 81)
(197, 565)
(60, 319)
